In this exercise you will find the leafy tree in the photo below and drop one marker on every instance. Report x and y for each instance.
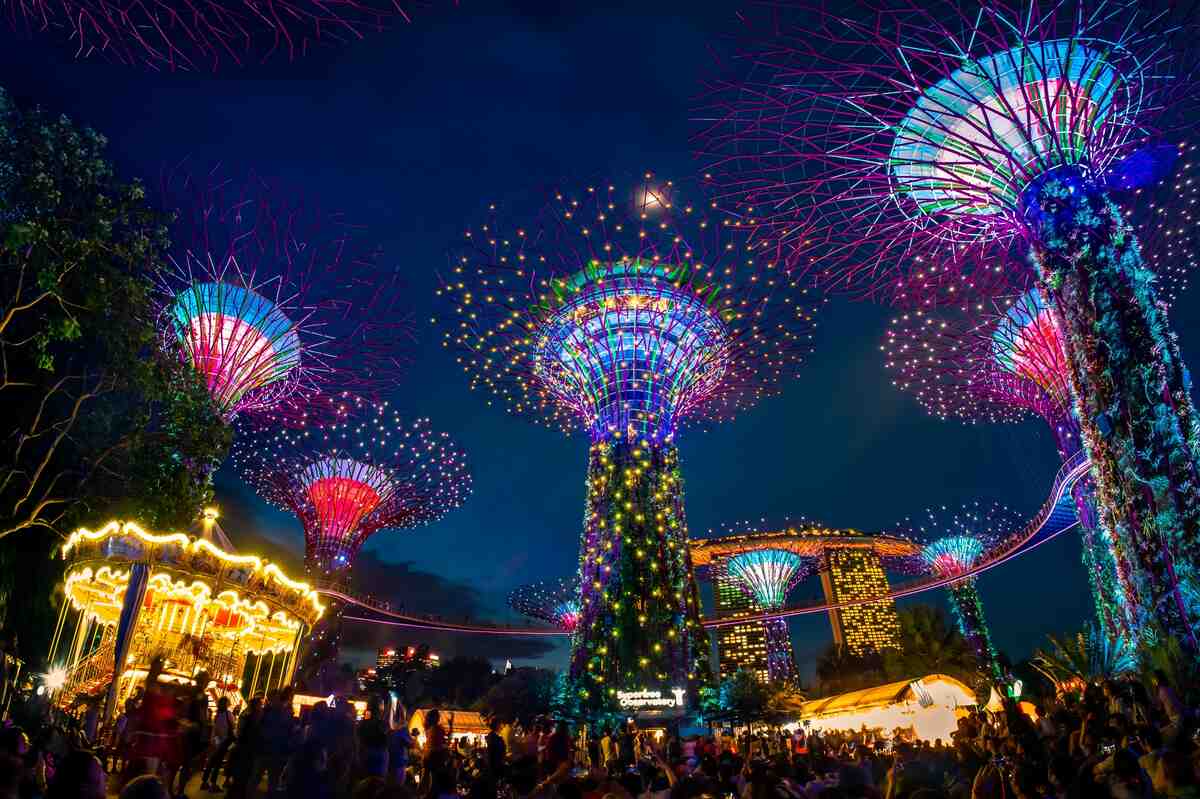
(783, 700)
(99, 420)
(739, 698)
(461, 681)
(521, 695)
(839, 670)
(930, 644)
(1086, 656)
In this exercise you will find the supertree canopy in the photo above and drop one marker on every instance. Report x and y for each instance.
(553, 601)
(953, 541)
(998, 363)
(345, 480)
(767, 575)
(263, 298)
(625, 311)
(169, 35)
(927, 152)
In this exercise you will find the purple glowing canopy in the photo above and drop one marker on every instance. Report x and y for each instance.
(622, 308)
(888, 149)
(954, 539)
(553, 601)
(262, 295)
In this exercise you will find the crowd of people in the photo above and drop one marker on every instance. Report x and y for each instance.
(1114, 739)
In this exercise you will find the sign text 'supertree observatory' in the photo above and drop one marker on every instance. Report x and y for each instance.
(173, 34)
(953, 541)
(369, 470)
(553, 601)
(626, 311)
(1001, 362)
(916, 151)
(263, 296)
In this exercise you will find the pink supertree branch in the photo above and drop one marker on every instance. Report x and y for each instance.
(205, 34)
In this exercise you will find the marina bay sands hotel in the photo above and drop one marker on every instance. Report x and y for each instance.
(752, 572)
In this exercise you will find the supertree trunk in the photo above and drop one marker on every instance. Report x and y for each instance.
(640, 609)
(968, 612)
(1131, 389)
(1110, 575)
(318, 670)
(780, 665)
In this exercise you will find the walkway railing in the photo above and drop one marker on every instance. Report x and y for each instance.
(1056, 516)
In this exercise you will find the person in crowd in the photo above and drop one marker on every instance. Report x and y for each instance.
(240, 767)
(274, 740)
(558, 749)
(146, 786)
(310, 778)
(120, 735)
(400, 746)
(497, 751)
(80, 775)
(220, 741)
(372, 735)
(437, 749)
(195, 729)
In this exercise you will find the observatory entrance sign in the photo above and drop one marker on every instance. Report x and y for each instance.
(653, 703)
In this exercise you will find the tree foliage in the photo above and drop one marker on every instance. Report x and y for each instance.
(1086, 656)
(460, 681)
(742, 699)
(100, 418)
(521, 695)
(929, 644)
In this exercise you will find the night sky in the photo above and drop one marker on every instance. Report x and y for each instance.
(411, 133)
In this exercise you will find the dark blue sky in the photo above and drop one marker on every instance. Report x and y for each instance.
(411, 133)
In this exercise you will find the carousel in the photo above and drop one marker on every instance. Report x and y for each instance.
(132, 596)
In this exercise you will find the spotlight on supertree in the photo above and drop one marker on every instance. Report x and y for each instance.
(552, 601)
(999, 363)
(953, 541)
(625, 312)
(275, 302)
(170, 35)
(922, 152)
(366, 471)
(766, 576)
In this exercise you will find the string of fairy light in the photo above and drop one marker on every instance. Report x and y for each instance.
(368, 471)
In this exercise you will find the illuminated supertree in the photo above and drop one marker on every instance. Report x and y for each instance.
(953, 542)
(366, 471)
(923, 152)
(170, 35)
(767, 575)
(553, 601)
(1004, 360)
(275, 303)
(626, 311)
